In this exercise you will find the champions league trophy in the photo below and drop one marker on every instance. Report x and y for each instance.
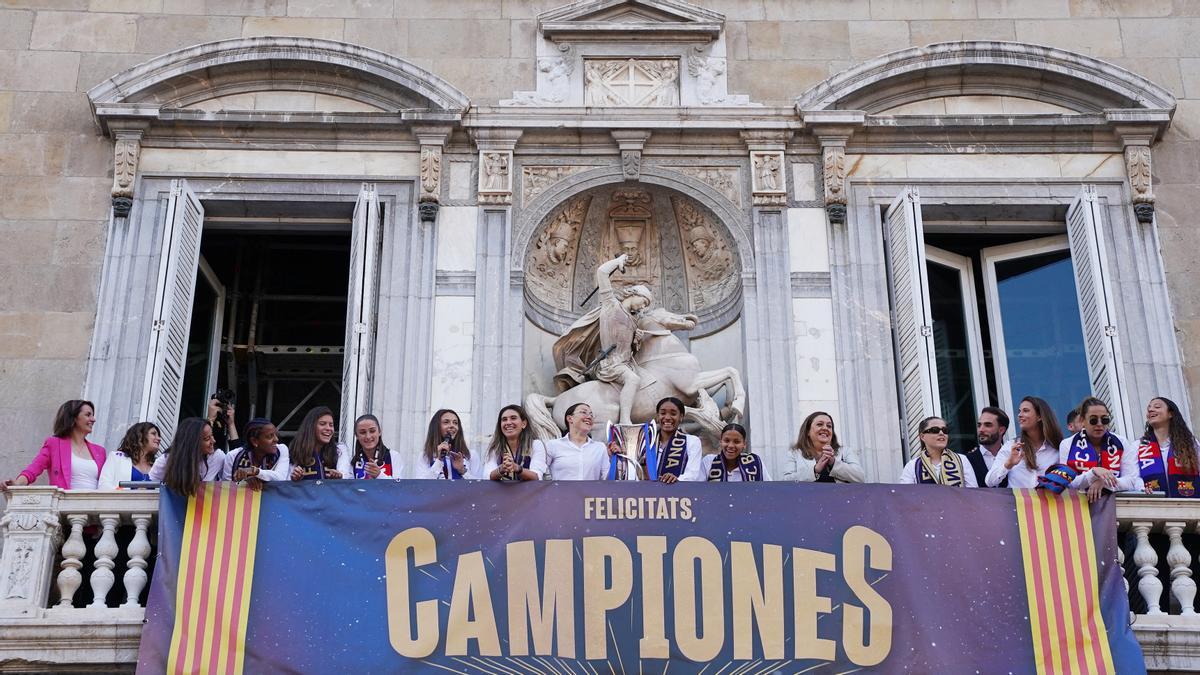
(619, 465)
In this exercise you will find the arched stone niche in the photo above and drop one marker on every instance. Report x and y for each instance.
(676, 245)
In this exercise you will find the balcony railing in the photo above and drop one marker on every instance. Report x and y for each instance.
(73, 565)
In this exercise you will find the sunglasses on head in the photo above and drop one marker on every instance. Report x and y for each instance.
(937, 430)
(1103, 419)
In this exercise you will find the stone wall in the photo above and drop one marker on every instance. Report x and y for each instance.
(56, 168)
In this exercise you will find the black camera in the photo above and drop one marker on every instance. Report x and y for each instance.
(224, 399)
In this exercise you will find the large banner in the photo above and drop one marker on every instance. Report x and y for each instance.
(576, 577)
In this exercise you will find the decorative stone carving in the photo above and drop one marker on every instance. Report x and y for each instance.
(126, 151)
(20, 572)
(834, 170)
(631, 164)
(631, 231)
(535, 179)
(631, 82)
(724, 179)
(711, 273)
(553, 257)
(1137, 164)
(709, 73)
(767, 180)
(495, 177)
(553, 83)
(431, 173)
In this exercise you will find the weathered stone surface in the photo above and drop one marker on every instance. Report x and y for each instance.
(1121, 7)
(15, 28)
(523, 38)
(161, 34)
(29, 155)
(79, 242)
(330, 29)
(226, 7)
(84, 32)
(798, 39)
(6, 101)
(478, 38)
(869, 39)
(360, 9)
(926, 9)
(25, 241)
(126, 6)
(1023, 9)
(1189, 70)
(929, 32)
(49, 288)
(775, 82)
(97, 68)
(45, 335)
(1163, 72)
(787, 10)
(50, 111)
(35, 198)
(1160, 37)
(38, 71)
(459, 9)
(1094, 37)
(27, 386)
(390, 37)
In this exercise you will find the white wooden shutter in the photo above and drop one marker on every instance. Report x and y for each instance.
(172, 317)
(1090, 260)
(360, 310)
(912, 325)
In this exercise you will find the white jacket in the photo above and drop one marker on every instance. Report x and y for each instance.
(281, 472)
(118, 468)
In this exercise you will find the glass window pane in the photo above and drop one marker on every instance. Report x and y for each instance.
(1043, 335)
(951, 354)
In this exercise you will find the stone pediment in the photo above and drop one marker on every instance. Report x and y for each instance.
(660, 20)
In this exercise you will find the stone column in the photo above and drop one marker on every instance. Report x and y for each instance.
(32, 536)
(770, 352)
(497, 355)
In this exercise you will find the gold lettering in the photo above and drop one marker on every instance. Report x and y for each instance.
(589, 504)
(653, 644)
(471, 596)
(557, 598)
(753, 600)
(855, 544)
(599, 595)
(421, 543)
(808, 605)
(693, 645)
(685, 508)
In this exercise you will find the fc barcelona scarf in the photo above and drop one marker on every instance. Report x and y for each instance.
(1083, 457)
(673, 459)
(951, 469)
(1162, 476)
(245, 459)
(749, 464)
(382, 460)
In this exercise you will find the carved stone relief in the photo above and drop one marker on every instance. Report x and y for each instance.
(125, 162)
(535, 179)
(631, 82)
(834, 171)
(676, 248)
(20, 572)
(495, 177)
(1137, 165)
(709, 75)
(722, 178)
(431, 173)
(553, 83)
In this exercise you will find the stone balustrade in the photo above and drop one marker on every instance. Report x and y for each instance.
(53, 539)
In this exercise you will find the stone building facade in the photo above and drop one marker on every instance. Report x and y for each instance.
(877, 208)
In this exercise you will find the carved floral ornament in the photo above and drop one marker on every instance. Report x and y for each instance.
(674, 246)
(1137, 165)
(631, 82)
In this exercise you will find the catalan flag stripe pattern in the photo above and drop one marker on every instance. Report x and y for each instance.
(216, 568)
(1062, 584)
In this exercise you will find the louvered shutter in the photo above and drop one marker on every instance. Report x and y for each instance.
(172, 317)
(360, 310)
(1089, 258)
(912, 325)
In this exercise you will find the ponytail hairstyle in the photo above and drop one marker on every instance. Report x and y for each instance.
(382, 454)
(524, 442)
(1183, 443)
(183, 474)
(921, 427)
(133, 444)
(1051, 433)
(305, 447)
(433, 437)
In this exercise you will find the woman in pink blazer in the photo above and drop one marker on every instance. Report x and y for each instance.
(73, 462)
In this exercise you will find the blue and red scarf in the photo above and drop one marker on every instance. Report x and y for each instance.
(1082, 457)
(749, 464)
(383, 459)
(1162, 476)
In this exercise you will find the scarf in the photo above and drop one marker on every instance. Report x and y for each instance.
(383, 459)
(1082, 456)
(749, 464)
(1162, 476)
(671, 460)
(245, 459)
(314, 471)
(951, 469)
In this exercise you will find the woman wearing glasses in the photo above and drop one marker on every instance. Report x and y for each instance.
(1028, 456)
(935, 464)
(1103, 460)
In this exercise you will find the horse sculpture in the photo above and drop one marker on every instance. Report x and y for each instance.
(666, 368)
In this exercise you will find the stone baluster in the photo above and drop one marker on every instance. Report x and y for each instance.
(1147, 561)
(73, 551)
(139, 549)
(106, 550)
(1183, 587)
(1121, 563)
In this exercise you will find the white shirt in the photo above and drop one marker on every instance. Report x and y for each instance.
(1129, 476)
(210, 467)
(988, 457)
(1020, 476)
(85, 475)
(537, 461)
(281, 472)
(567, 461)
(908, 475)
(734, 476)
(434, 470)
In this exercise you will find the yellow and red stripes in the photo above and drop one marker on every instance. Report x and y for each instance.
(1061, 583)
(212, 593)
